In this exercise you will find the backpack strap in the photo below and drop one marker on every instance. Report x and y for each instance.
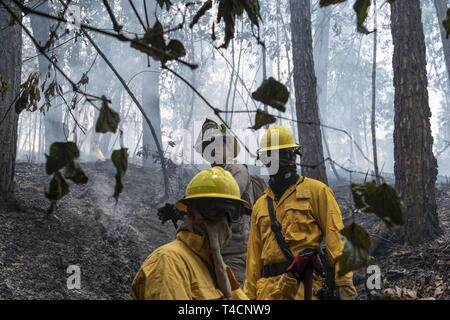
(276, 229)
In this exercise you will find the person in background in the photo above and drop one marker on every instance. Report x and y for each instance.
(220, 148)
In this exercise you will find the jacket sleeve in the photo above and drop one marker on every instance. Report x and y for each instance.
(160, 279)
(330, 220)
(254, 262)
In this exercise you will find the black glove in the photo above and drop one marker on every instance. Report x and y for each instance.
(169, 212)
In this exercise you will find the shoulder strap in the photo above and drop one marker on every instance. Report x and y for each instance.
(276, 229)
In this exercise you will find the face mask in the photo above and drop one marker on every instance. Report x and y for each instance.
(218, 233)
(287, 166)
(286, 174)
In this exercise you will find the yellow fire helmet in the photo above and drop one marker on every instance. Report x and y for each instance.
(211, 183)
(276, 138)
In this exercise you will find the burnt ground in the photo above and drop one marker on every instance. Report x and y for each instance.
(408, 272)
(109, 242)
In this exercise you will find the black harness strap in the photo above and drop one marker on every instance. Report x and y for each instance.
(274, 269)
(276, 228)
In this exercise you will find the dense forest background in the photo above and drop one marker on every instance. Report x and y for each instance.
(226, 77)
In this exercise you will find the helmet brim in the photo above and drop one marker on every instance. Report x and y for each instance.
(183, 204)
(280, 147)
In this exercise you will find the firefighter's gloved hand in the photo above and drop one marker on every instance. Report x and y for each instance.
(347, 291)
(306, 258)
(169, 212)
(287, 286)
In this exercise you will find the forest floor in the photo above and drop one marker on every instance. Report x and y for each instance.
(109, 242)
(407, 272)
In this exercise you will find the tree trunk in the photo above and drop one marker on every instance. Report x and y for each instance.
(150, 96)
(415, 165)
(441, 12)
(373, 123)
(305, 90)
(321, 56)
(10, 70)
(150, 103)
(230, 84)
(53, 117)
(288, 58)
(192, 55)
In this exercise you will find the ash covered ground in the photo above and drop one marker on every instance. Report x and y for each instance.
(109, 242)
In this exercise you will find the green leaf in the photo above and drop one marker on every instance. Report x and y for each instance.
(30, 94)
(200, 13)
(84, 80)
(108, 120)
(361, 8)
(272, 93)
(262, 118)
(61, 154)
(154, 45)
(238, 8)
(356, 252)
(74, 172)
(4, 85)
(226, 13)
(155, 36)
(324, 3)
(446, 23)
(120, 161)
(22, 101)
(58, 188)
(381, 200)
(176, 49)
(252, 9)
(50, 92)
(161, 3)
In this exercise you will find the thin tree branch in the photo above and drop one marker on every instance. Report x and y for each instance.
(137, 15)
(118, 36)
(214, 109)
(75, 87)
(116, 26)
(135, 100)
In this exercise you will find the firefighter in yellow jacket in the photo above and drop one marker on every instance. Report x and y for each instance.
(191, 267)
(306, 212)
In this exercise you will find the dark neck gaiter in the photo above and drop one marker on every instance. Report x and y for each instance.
(282, 180)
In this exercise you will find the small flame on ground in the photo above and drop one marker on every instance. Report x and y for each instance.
(99, 153)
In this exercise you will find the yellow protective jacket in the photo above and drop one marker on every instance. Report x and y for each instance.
(181, 270)
(307, 212)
